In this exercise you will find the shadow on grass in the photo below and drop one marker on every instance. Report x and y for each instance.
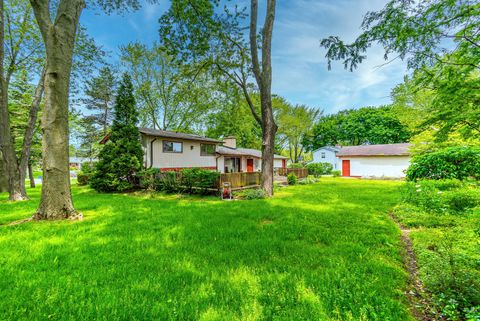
(326, 253)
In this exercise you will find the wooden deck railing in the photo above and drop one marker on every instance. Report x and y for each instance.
(300, 172)
(238, 180)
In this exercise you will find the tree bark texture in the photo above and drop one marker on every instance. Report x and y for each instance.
(263, 76)
(30, 176)
(59, 38)
(3, 177)
(16, 186)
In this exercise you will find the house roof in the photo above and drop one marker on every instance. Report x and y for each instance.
(375, 150)
(224, 150)
(330, 148)
(177, 135)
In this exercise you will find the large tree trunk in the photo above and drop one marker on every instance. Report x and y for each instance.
(16, 187)
(3, 176)
(263, 76)
(59, 37)
(30, 176)
(268, 138)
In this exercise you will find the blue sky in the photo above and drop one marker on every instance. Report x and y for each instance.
(300, 71)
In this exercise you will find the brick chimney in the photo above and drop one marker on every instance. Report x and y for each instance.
(230, 141)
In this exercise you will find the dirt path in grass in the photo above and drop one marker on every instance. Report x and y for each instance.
(415, 292)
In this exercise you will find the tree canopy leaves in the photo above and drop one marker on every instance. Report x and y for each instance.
(368, 125)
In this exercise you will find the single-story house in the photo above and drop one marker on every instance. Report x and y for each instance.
(387, 160)
(168, 151)
(326, 154)
(76, 162)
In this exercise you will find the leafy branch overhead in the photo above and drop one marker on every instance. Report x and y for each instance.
(440, 39)
(422, 32)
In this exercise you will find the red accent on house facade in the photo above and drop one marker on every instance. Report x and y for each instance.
(284, 163)
(249, 165)
(345, 167)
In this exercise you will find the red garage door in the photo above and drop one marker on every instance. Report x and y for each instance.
(345, 167)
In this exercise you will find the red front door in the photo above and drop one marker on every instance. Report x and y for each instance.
(249, 165)
(284, 163)
(345, 167)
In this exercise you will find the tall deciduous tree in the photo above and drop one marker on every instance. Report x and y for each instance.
(121, 157)
(193, 30)
(169, 95)
(58, 35)
(234, 118)
(100, 97)
(368, 125)
(17, 30)
(59, 38)
(263, 75)
(294, 124)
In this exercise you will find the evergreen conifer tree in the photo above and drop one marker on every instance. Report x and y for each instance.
(121, 157)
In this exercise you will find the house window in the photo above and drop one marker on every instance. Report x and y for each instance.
(323, 154)
(232, 165)
(172, 147)
(207, 149)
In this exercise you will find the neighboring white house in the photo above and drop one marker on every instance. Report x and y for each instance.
(327, 154)
(169, 151)
(76, 162)
(388, 160)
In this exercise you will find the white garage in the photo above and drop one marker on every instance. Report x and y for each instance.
(387, 160)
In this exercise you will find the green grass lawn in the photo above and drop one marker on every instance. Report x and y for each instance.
(326, 251)
(447, 249)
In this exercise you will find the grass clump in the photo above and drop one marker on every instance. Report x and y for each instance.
(250, 194)
(310, 179)
(445, 218)
(336, 173)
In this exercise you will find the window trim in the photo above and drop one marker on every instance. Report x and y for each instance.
(171, 141)
(207, 144)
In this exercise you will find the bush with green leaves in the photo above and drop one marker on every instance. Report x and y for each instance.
(310, 179)
(199, 181)
(336, 173)
(453, 279)
(85, 173)
(168, 182)
(83, 178)
(318, 169)
(250, 194)
(295, 165)
(121, 157)
(462, 200)
(149, 179)
(292, 179)
(444, 213)
(442, 196)
(87, 167)
(452, 162)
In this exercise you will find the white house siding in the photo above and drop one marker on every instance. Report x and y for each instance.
(257, 163)
(330, 157)
(221, 164)
(378, 166)
(190, 157)
(277, 163)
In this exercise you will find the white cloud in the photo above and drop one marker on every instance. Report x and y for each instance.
(299, 64)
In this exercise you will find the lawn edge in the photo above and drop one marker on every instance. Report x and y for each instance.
(418, 298)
